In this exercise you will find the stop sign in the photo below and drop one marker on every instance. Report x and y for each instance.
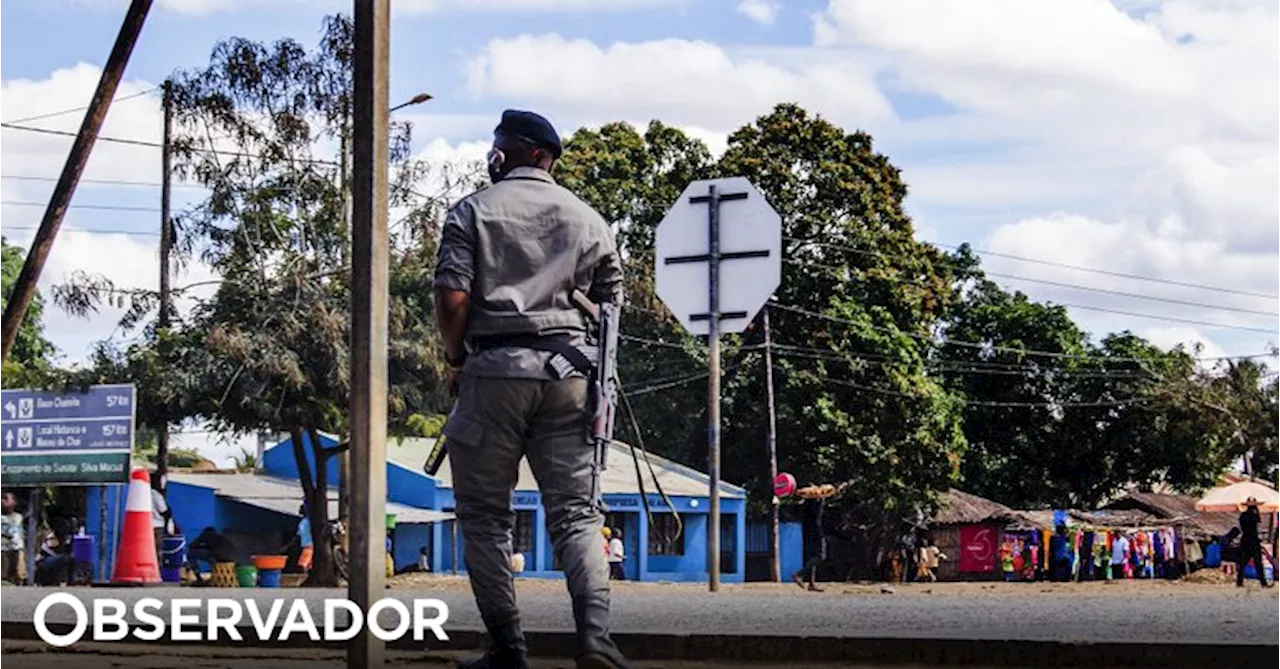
(749, 256)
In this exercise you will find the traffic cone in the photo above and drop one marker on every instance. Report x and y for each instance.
(136, 561)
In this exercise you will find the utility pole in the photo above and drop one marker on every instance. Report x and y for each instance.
(166, 246)
(24, 288)
(681, 243)
(775, 568)
(713, 386)
(344, 185)
(369, 321)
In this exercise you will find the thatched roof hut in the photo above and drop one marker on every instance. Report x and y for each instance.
(961, 508)
(1179, 509)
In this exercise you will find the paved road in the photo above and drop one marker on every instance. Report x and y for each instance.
(30, 655)
(1090, 613)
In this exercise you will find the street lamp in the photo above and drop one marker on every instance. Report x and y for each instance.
(415, 100)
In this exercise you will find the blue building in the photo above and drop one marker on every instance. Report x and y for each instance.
(259, 511)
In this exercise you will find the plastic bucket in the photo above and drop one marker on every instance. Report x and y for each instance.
(173, 554)
(82, 548)
(269, 578)
(247, 576)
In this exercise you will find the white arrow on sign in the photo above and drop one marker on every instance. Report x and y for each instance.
(8, 439)
(749, 255)
(13, 411)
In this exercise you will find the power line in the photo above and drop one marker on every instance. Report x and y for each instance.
(861, 272)
(1140, 296)
(964, 367)
(1173, 319)
(987, 347)
(94, 231)
(78, 109)
(156, 145)
(104, 182)
(985, 403)
(1039, 261)
(99, 207)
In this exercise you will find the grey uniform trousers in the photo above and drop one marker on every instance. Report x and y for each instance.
(494, 423)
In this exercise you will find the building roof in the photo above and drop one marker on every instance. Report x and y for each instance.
(961, 508)
(1173, 507)
(676, 479)
(285, 495)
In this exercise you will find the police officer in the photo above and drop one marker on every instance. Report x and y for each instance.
(510, 257)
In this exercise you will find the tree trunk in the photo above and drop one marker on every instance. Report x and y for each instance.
(314, 491)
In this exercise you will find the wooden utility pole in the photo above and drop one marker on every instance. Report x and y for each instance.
(713, 389)
(166, 246)
(775, 568)
(344, 185)
(369, 321)
(24, 288)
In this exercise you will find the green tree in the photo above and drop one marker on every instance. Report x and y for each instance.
(258, 127)
(31, 348)
(1055, 420)
(888, 429)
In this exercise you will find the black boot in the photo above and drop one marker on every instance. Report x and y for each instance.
(602, 656)
(506, 651)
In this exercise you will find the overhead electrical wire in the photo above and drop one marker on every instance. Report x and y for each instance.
(802, 263)
(40, 117)
(1052, 263)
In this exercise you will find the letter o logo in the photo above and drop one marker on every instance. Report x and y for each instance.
(61, 640)
(376, 628)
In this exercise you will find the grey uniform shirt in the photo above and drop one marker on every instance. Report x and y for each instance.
(519, 248)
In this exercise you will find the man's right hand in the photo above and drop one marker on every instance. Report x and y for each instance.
(454, 380)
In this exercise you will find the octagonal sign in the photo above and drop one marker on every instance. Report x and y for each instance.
(750, 254)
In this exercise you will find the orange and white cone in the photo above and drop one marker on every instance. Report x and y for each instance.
(136, 561)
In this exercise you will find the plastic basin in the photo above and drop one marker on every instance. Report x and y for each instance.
(270, 562)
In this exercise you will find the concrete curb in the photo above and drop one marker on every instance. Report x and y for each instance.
(990, 654)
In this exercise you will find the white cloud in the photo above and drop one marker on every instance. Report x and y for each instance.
(679, 81)
(1187, 337)
(760, 11)
(206, 7)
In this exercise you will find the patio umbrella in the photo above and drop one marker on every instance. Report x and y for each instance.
(1233, 497)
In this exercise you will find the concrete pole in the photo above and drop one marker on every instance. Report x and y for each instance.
(369, 321)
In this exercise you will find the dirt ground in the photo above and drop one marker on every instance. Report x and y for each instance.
(1202, 582)
(35, 655)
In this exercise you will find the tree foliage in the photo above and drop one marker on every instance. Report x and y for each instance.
(32, 353)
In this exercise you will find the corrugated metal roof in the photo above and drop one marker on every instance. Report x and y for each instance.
(285, 496)
(619, 478)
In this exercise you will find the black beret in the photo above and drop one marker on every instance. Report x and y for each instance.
(530, 127)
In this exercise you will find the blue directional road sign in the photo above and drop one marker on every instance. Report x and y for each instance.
(66, 438)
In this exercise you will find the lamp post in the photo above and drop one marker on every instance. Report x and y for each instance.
(344, 463)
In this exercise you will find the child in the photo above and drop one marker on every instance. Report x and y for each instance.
(12, 541)
(1006, 560)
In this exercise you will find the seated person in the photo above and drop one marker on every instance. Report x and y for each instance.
(54, 564)
(211, 547)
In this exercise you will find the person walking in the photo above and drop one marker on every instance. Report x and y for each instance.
(510, 258)
(929, 559)
(1060, 556)
(617, 555)
(1250, 544)
(815, 534)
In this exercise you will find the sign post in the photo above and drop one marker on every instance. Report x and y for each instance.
(66, 438)
(713, 299)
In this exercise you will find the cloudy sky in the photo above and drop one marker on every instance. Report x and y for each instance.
(1137, 137)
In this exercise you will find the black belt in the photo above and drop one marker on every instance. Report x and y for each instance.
(550, 344)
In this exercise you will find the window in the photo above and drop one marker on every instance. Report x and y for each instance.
(662, 536)
(524, 533)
